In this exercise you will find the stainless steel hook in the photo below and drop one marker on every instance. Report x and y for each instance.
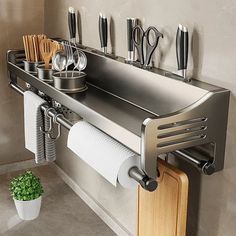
(51, 122)
(58, 128)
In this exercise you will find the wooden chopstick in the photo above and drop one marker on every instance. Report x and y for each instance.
(26, 48)
(35, 45)
(29, 51)
(31, 48)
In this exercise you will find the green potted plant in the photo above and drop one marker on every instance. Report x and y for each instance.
(27, 191)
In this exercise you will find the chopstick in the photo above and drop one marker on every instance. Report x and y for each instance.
(25, 41)
(31, 46)
(36, 49)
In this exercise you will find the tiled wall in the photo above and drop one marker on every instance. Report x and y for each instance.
(16, 19)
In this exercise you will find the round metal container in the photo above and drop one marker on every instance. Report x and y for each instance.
(31, 67)
(70, 81)
(45, 74)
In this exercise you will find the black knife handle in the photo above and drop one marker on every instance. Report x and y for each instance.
(103, 31)
(130, 26)
(182, 47)
(72, 24)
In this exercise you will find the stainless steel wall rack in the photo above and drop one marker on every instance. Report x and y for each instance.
(145, 110)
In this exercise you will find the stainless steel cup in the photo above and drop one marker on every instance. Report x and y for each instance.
(70, 81)
(45, 74)
(31, 67)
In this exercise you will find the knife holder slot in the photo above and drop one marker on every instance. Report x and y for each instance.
(148, 112)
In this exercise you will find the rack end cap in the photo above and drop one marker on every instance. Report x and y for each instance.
(208, 168)
(149, 184)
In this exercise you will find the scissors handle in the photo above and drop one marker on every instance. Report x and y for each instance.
(138, 39)
(150, 48)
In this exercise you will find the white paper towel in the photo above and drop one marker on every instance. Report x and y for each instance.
(108, 157)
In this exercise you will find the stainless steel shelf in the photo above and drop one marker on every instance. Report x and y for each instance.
(114, 116)
(148, 112)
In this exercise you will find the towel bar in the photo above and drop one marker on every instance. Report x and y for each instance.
(148, 112)
(146, 182)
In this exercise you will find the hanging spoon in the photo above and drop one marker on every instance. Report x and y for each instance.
(80, 60)
(59, 61)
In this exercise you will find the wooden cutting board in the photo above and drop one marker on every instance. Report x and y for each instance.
(164, 211)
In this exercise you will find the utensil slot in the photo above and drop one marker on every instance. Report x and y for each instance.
(45, 74)
(70, 81)
(31, 67)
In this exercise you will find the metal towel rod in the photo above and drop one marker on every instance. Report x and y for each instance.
(145, 181)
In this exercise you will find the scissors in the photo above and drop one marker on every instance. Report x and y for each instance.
(138, 35)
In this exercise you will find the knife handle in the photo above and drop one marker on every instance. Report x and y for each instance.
(131, 22)
(103, 31)
(182, 47)
(72, 23)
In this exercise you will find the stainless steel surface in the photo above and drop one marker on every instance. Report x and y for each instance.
(147, 183)
(133, 122)
(67, 113)
(70, 81)
(104, 49)
(80, 60)
(69, 53)
(153, 92)
(60, 119)
(31, 67)
(50, 122)
(207, 167)
(52, 113)
(16, 88)
(184, 73)
(50, 134)
(59, 61)
(45, 74)
(97, 107)
(130, 57)
(205, 122)
(188, 157)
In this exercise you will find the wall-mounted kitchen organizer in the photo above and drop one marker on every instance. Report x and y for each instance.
(148, 112)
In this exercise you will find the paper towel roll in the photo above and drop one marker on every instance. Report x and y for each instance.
(107, 156)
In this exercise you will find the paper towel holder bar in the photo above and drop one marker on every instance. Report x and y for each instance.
(143, 179)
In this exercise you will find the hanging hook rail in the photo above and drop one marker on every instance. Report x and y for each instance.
(58, 128)
(50, 123)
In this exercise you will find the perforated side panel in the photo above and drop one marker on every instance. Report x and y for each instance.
(203, 122)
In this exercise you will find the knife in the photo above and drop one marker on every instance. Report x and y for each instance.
(131, 22)
(72, 24)
(103, 32)
(182, 49)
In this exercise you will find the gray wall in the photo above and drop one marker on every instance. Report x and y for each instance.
(16, 19)
(212, 24)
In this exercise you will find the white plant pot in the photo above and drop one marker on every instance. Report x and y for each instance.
(28, 210)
